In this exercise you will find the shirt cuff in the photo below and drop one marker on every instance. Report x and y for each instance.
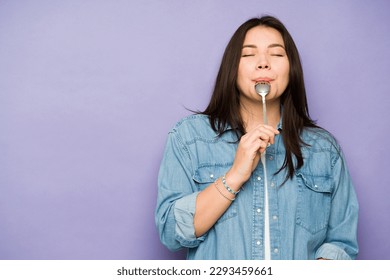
(184, 212)
(332, 252)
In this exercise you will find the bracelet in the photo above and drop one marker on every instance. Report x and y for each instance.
(216, 186)
(227, 187)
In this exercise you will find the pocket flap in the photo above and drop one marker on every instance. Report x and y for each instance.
(320, 184)
(209, 173)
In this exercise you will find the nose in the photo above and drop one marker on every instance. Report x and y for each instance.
(263, 66)
(263, 63)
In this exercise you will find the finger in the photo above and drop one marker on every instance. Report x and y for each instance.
(272, 132)
(256, 140)
(262, 146)
(266, 135)
(268, 127)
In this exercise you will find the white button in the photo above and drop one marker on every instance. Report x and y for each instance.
(315, 186)
(258, 210)
(275, 217)
(276, 250)
(211, 175)
(258, 242)
(272, 184)
(259, 178)
(271, 158)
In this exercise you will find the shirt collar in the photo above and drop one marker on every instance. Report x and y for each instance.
(280, 124)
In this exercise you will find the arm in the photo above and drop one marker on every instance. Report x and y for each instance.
(179, 197)
(183, 214)
(176, 196)
(341, 240)
(213, 201)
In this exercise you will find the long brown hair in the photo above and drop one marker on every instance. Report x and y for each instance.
(224, 106)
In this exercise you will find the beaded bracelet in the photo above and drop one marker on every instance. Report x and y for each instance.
(227, 187)
(216, 186)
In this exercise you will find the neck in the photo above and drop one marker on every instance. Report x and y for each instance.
(252, 114)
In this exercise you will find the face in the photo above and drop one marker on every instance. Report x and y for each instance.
(263, 58)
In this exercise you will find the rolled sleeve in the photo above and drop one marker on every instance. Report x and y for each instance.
(331, 252)
(184, 212)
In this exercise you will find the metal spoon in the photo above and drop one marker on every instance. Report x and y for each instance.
(263, 88)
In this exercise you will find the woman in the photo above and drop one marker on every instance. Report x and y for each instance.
(216, 196)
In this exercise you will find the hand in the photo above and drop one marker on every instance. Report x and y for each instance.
(248, 154)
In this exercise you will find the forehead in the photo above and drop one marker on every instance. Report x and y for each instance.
(263, 35)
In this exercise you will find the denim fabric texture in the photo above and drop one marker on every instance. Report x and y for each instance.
(313, 215)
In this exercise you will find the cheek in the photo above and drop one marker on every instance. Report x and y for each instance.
(285, 74)
(283, 78)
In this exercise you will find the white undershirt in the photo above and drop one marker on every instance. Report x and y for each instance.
(267, 241)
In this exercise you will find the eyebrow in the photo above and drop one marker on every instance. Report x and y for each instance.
(270, 46)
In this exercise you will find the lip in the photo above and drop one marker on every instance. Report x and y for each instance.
(263, 79)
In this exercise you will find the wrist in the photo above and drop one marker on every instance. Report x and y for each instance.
(234, 180)
(227, 187)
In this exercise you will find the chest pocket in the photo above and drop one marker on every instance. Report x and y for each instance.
(206, 175)
(314, 202)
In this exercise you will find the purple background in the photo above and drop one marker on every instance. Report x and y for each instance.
(89, 90)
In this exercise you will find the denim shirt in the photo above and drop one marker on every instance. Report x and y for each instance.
(313, 215)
